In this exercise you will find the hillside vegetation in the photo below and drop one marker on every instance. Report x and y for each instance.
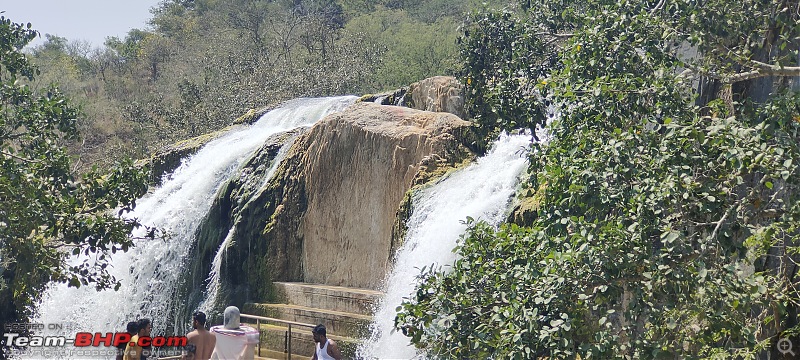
(660, 221)
(202, 63)
(47, 210)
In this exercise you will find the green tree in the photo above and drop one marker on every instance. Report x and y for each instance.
(47, 212)
(663, 213)
(414, 50)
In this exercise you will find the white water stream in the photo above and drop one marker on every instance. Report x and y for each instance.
(482, 191)
(150, 272)
(215, 283)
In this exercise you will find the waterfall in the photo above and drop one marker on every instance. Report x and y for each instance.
(149, 272)
(481, 191)
(215, 285)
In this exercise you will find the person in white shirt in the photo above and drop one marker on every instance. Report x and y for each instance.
(326, 349)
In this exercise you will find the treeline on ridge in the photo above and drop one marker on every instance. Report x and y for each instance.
(202, 63)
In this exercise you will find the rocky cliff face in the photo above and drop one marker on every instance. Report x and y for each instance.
(439, 93)
(235, 207)
(358, 166)
(329, 212)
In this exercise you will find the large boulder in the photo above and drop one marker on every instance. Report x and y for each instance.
(438, 93)
(358, 166)
(328, 214)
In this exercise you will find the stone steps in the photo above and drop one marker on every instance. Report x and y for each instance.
(335, 298)
(274, 337)
(336, 322)
(345, 312)
(277, 355)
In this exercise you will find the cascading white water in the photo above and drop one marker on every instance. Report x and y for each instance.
(481, 191)
(150, 271)
(214, 285)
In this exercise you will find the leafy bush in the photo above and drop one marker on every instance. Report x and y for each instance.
(48, 212)
(666, 202)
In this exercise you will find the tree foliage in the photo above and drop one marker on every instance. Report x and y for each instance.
(665, 204)
(414, 49)
(47, 211)
(204, 62)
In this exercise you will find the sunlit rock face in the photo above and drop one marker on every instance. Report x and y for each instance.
(358, 165)
(438, 93)
(328, 212)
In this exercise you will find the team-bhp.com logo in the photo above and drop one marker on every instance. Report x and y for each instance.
(17, 342)
(84, 339)
(117, 339)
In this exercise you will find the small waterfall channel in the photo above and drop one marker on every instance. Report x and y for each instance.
(149, 272)
(482, 191)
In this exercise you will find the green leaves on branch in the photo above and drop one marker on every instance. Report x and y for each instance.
(666, 220)
(502, 65)
(47, 213)
(661, 254)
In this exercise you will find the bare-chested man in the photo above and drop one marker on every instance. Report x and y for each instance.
(202, 340)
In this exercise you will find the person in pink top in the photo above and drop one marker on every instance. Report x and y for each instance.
(326, 349)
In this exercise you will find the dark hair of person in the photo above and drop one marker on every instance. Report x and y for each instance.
(200, 317)
(133, 327)
(143, 323)
(319, 330)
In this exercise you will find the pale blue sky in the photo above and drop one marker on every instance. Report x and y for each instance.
(91, 20)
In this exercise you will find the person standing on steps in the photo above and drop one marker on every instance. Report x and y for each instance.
(326, 349)
(203, 340)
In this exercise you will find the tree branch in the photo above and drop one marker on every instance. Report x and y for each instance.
(562, 36)
(10, 155)
(735, 206)
(760, 70)
(658, 7)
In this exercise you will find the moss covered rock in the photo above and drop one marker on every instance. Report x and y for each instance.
(168, 159)
(235, 207)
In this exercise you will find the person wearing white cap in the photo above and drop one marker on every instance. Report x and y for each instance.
(235, 341)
